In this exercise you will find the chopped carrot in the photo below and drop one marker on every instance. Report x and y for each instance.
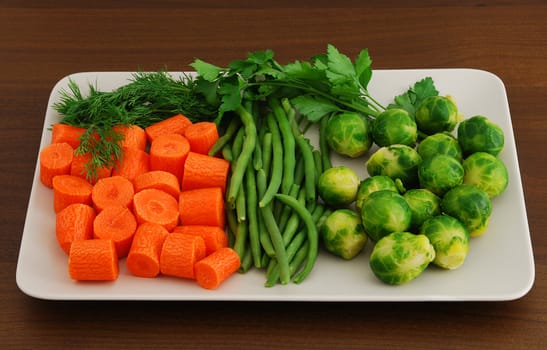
(201, 171)
(156, 206)
(175, 124)
(93, 260)
(168, 152)
(180, 253)
(202, 136)
(78, 168)
(214, 236)
(158, 179)
(212, 270)
(69, 189)
(55, 159)
(143, 259)
(133, 163)
(118, 224)
(203, 206)
(133, 136)
(74, 223)
(114, 190)
(66, 133)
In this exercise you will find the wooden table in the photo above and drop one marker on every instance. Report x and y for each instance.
(41, 42)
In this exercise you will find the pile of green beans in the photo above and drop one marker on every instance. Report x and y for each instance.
(273, 211)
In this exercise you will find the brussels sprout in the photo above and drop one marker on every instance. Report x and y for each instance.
(423, 204)
(385, 212)
(470, 205)
(401, 257)
(396, 161)
(449, 238)
(373, 184)
(440, 143)
(348, 134)
(394, 126)
(486, 172)
(437, 114)
(479, 134)
(440, 173)
(337, 186)
(343, 233)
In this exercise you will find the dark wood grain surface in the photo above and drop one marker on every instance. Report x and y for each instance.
(41, 42)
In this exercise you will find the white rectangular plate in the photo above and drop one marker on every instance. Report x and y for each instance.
(499, 266)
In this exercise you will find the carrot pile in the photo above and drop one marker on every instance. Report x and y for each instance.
(161, 208)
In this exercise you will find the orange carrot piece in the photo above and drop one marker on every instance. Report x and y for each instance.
(133, 163)
(180, 253)
(133, 136)
(201, 171)
(66, 133)
(69, 189)
(74, 223)
(143, 259)
(55, 159)
(158, 179)
(114, 190)
(202, 136)
(168, 152)
(203, 206)
(156, 206)
(118, 224)
(78, 168)
(214, 269)
(214, 237)
(93, 260)
(175, 124)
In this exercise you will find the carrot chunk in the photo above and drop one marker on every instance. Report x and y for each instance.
(175, 124)
(114, 190)
(55, 159)
(203, 206)
(156, 206)
(168, 152)
(118, 224)
(214, 237)
(201, 171)
(93, 260)
(133, 163)
(180, 253)
(78, 168)
(201, 136)
(133, 136)
(143, 259)
(69, 189)
(74, 223)
(66, 133)
(212, 270)
(158, 179)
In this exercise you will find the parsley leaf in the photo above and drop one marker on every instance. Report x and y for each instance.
(313, 107)
(414, 96)
(206, 70)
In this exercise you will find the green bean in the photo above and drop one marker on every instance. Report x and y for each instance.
(292, 248)
(309, 166)
(264, 236)
(241, 235)
(318, 163)
(252, 215)
(227, 152)
(267, 152)
(276, 173)
(231, 220)
(294, 221)
(299, 173)
(299, 258)
(323, 145)
(285, 210)
(231, 130)
(237, 144)
(288, 144)
(246, 261)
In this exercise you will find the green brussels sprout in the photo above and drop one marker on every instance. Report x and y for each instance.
(343, 233)
(423, 204)
(440, 143)
(437, 114)
(486, 172)
(470, 205)
(479, 134)
(399, 162)
(373, 184)
(440, 173)
(348, 134)
(394, 126)
(449, 238)
(385, 212)
(337, 186)
(401, 257)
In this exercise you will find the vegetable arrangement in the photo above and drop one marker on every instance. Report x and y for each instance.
(225, 154)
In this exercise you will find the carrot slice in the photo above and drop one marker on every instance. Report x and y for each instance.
(55, 159)
(156, 206)
(214, 269)
(78, 168)
(168, 152)
(158, 179)
(143, 259)
(175, 124)
(118, 224)
(74, 223)
(180, 253)
(69, 189)
(214, 237)
(203, 206)
(202, 136)
(66, 133)
(114, 190)
(201, 171)
(93, 260)
(133, 163)
(133, 136)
